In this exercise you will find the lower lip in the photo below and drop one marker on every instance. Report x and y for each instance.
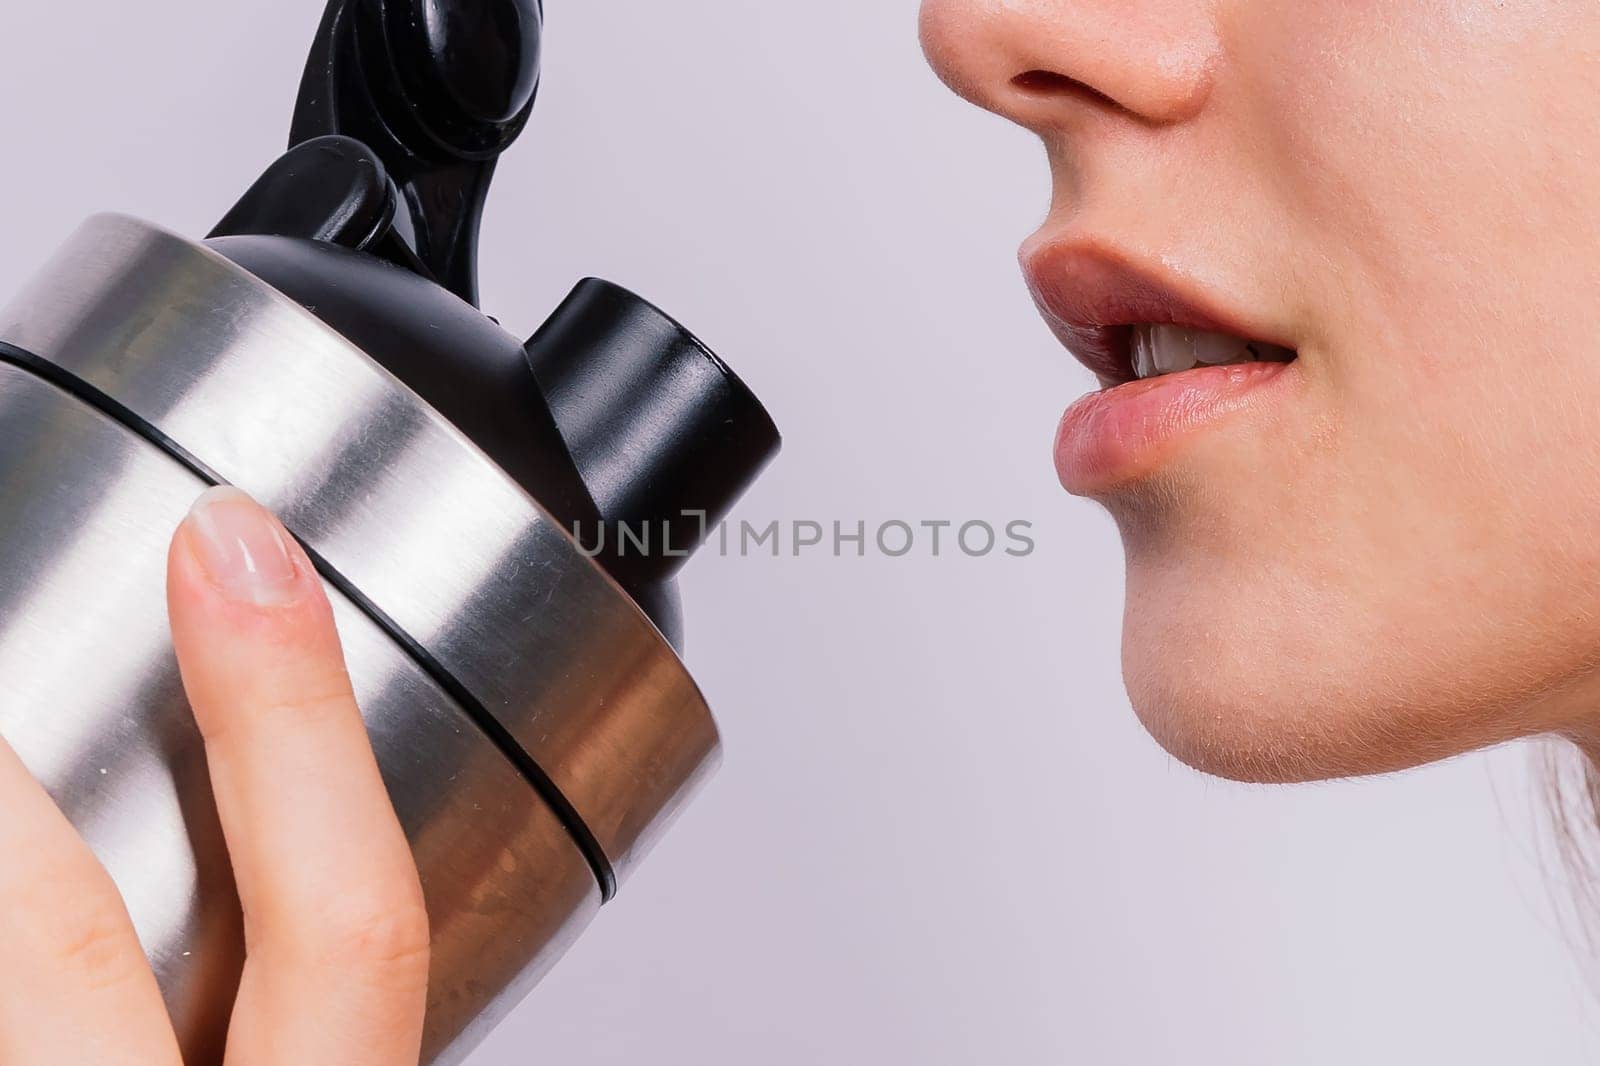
(1122, 434)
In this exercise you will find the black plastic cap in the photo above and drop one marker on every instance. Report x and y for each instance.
(665, 435)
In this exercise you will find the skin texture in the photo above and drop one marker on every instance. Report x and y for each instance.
(336, 933)
(1397, 560)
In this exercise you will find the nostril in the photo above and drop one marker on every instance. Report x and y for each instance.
(1048, 83)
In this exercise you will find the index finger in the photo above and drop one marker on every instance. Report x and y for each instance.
(336, 932)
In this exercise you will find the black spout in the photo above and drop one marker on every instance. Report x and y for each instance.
(664, 435)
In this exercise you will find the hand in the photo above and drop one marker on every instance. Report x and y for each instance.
(335, 931)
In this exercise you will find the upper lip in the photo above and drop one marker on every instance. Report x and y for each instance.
(1092, 294)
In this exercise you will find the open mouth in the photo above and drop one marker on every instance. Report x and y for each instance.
(1173, 359)
(1154, 350)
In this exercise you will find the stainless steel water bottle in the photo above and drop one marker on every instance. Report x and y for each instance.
(498, 522)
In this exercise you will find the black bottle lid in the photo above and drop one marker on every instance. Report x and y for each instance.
(624, 427)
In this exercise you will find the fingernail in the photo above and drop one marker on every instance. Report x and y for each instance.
(242, 549)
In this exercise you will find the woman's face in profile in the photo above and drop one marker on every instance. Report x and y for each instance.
(1387, 549)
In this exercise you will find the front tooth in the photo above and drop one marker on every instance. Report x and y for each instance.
(1144, 363)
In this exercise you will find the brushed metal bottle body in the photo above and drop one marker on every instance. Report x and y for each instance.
(535, 731)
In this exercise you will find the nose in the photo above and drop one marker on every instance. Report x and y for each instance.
(1048, 63)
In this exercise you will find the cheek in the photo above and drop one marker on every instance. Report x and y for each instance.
(1421, 157)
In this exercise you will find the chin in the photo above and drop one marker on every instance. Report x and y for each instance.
(1250, 675)
(1228, 728)
(1243, 722)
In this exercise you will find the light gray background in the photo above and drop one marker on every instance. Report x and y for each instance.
(940, 837)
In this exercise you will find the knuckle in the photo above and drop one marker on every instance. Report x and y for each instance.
(311, 702)
(70, 914)
(307, 705)
(97, 946)
(383, 931)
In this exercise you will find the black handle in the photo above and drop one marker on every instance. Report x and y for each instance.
(437, 89)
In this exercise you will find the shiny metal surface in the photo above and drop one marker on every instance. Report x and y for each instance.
(92, 703)
(396, 501)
